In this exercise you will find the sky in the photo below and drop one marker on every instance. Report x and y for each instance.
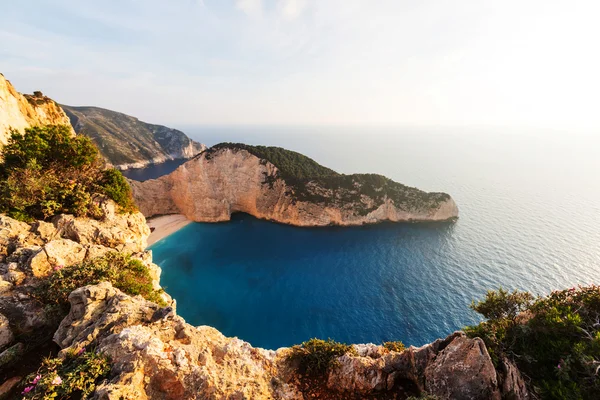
(313, 62)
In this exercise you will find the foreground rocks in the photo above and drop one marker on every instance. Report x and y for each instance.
(157, 355)
(30, 252)
(215, 184)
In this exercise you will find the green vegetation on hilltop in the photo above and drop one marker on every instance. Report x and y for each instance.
(47, 171)
(123, 139)
(554, 340)
(318, 184)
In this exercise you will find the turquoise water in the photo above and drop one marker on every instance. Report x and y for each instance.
(530, 219)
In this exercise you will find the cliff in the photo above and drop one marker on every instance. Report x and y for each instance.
(283, 186)
(18, 111)
(154, 354)
(127, 142)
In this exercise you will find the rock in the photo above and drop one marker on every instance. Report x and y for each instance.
(8, 387)
(117, 231)
(45, 230)
(11, 355)
(96, 250)
(23, 111)
(513, 384)
(6, 335)
(217, 183)
(56, 254)
(463, 370)
(156, 355)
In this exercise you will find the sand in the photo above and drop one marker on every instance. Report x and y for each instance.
(164, 226)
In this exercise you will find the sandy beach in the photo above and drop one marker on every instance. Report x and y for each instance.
(165, 225)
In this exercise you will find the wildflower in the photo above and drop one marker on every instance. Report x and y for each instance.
(558, 366)
(36, 380)
(58, 267)
(27, 389)
(81, 351)
(57, 380)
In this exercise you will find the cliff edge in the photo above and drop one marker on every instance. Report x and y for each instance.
(18, 111)
(283, 186)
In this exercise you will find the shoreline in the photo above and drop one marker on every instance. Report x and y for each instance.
(164, 226)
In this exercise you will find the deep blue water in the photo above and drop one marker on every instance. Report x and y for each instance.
(530, 219)
(153, 171)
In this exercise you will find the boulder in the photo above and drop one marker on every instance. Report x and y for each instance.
(55, 255)
(6, 335)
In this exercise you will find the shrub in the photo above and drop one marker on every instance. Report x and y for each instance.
(556, 342)
(122, 271)
(115, 186)
(316, 356)
(75, 376)
(47, 171)
(397, 346)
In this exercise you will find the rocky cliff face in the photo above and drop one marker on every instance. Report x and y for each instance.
(18, 111)
(215, 184)
(127, 142)
(156, 355)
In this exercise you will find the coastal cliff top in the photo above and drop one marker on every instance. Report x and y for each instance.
(316, 183)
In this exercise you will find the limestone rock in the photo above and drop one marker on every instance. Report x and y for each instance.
(156, 355)
(210, 187)
(19, 111)
(45, 230)
(6, 335)
(463, 370)
(9, 386)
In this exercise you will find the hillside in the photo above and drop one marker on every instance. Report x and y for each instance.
(126, 142)
(284, 186)
(19, 111)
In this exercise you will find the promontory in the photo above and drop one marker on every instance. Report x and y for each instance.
(284, 186)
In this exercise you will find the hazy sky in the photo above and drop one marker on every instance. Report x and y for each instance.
(310, 62)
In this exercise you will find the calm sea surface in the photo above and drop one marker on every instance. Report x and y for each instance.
(529, 219)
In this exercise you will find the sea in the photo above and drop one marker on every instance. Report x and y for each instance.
(529, 204)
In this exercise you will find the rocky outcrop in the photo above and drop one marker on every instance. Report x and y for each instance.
(156, 355)
(18, 111)
(127, 142)
(29, 252)
(215, 184)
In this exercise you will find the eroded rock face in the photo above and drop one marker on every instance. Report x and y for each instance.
(30, 252)
(156, 355)
(209, 188)
(19, 111)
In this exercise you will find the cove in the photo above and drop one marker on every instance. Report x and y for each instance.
(275, 285)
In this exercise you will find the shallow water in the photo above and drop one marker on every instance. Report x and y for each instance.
(530, 219)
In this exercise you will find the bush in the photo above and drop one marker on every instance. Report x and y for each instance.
(115, 186)
(47, 171)
(75, 376)
(122, 271)
(555, 341)
(394, 346)
(316, 356)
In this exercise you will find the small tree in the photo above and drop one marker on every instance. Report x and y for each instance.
(502, 304)
(47, 171)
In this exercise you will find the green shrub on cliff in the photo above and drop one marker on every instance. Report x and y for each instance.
(554, 340)
(47, 171)
(122, 271)
(316, 356)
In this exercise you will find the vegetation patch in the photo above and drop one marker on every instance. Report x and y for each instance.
(554, 340)
(396, 346)
(315, 183)
(123, 272)
(316, 356)
(74, 376)
(46, 171)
